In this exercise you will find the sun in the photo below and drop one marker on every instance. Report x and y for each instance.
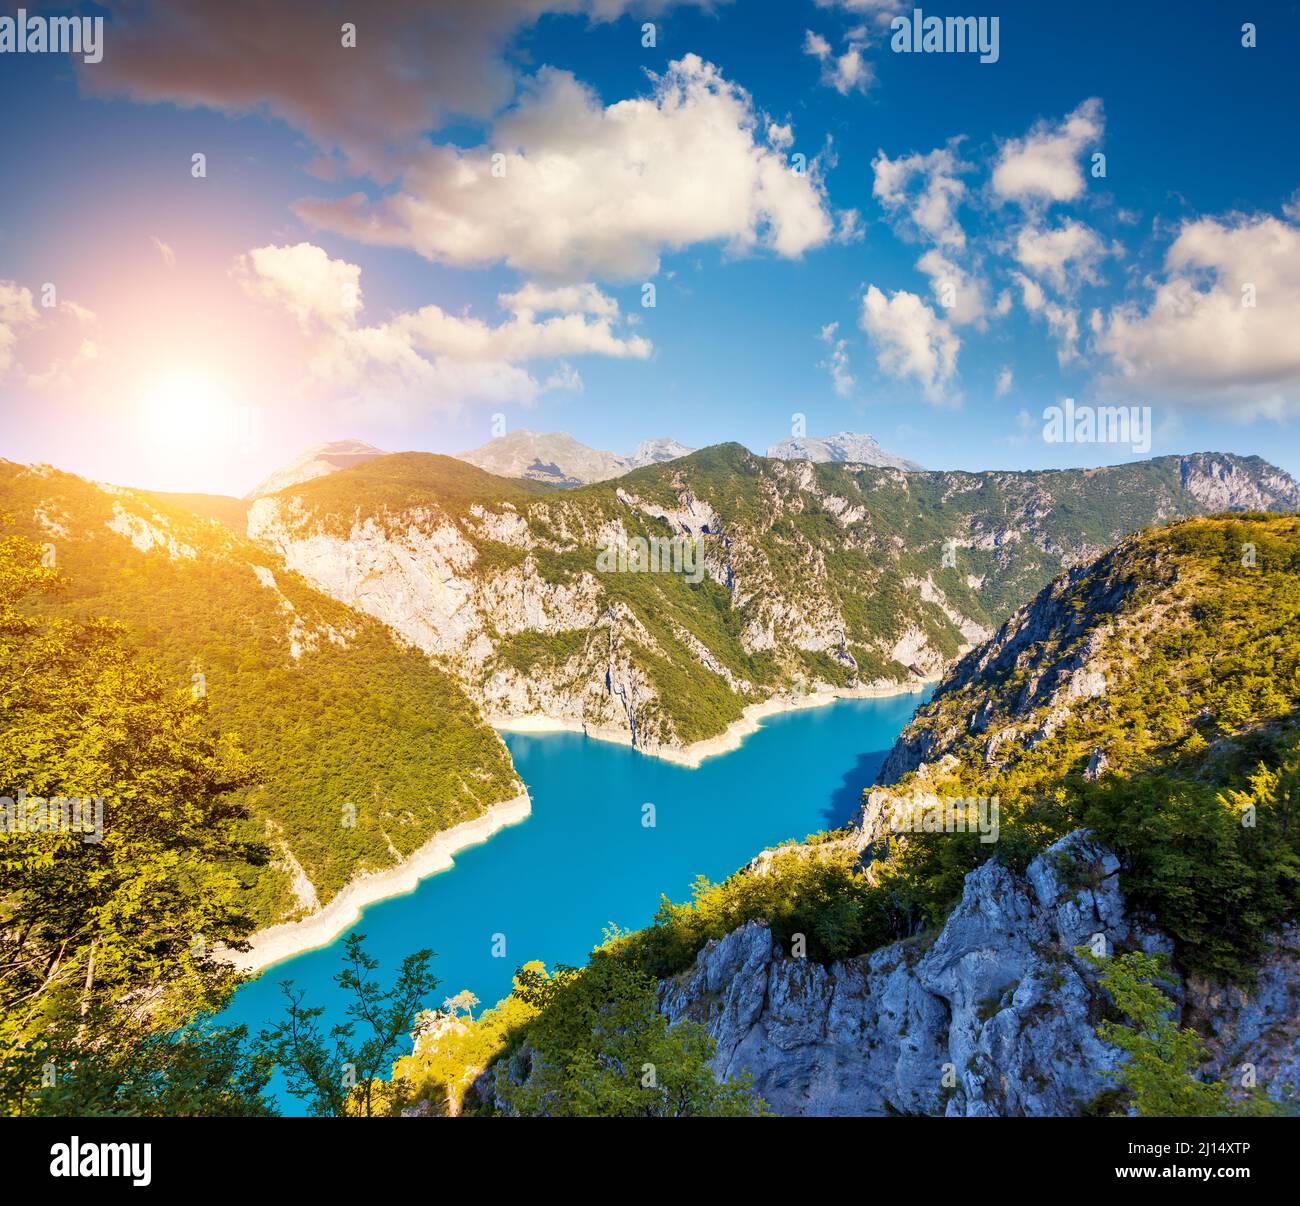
(182, 412)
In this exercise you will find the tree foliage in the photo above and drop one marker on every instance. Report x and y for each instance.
(107, 934)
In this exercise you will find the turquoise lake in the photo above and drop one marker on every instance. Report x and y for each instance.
(583, 859)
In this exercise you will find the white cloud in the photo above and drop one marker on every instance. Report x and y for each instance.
(911, 340)
(16, 314)
(1048, 253)
(1062, 320)
(815, 45)
(428, 357)
(960, 294)
(305, 281)
(932, 208)
(1196, 341)
(837, 363)
(1044, 165)
(1004, 382)
(168, 255)
(846, 72)
(532, 298)
(878, 11)
(592, 191)
(781, 137)
(19, 317)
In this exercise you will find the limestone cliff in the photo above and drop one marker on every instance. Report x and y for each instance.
(809, 576)
(995, 1016)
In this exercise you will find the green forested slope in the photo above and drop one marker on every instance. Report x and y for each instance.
(356, 719)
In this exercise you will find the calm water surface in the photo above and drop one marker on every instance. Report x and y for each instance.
(583, 859)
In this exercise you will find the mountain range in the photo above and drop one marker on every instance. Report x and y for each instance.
(462, 599)
(557, 459)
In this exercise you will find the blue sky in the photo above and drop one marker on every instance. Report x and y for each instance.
(1125, 289)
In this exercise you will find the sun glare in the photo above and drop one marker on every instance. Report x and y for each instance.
(182, 412)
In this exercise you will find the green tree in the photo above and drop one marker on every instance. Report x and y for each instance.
(336, 1075)
(1160, 1072)
(108, 930)
(599, 1048)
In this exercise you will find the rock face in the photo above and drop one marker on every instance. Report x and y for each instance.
(996, 1017)
(1224, 484)
(559, 460)
(846, 446)
(317, 461)
(1057, 644)
(836, 576)
(655, 452)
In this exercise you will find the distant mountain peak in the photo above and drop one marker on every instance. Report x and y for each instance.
(316, 461)
(652, 452)
(845, 446)
(557, 458)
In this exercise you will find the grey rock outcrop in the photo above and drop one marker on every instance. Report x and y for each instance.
(995, 1017)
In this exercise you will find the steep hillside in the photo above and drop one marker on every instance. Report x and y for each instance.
(813, 576)
(1136, 728)
(337, 712)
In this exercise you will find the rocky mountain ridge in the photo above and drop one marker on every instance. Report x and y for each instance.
(557, 459)
(814, 577)
(845, 446)
(292, 673)
(993, 1012)
(316, 461)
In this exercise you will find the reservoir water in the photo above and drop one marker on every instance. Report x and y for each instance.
(547, 887)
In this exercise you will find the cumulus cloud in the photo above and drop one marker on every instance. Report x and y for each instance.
(305, 281)
(1199, 340)
(957, 291)
(837, 361)
(1062, 320)
(1063, 256)
(923, 192)
(578, 190)
(912, 341)
(846, 72)
(414, 64)
(1044, 165)
(1004, 382)
(428, 357)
